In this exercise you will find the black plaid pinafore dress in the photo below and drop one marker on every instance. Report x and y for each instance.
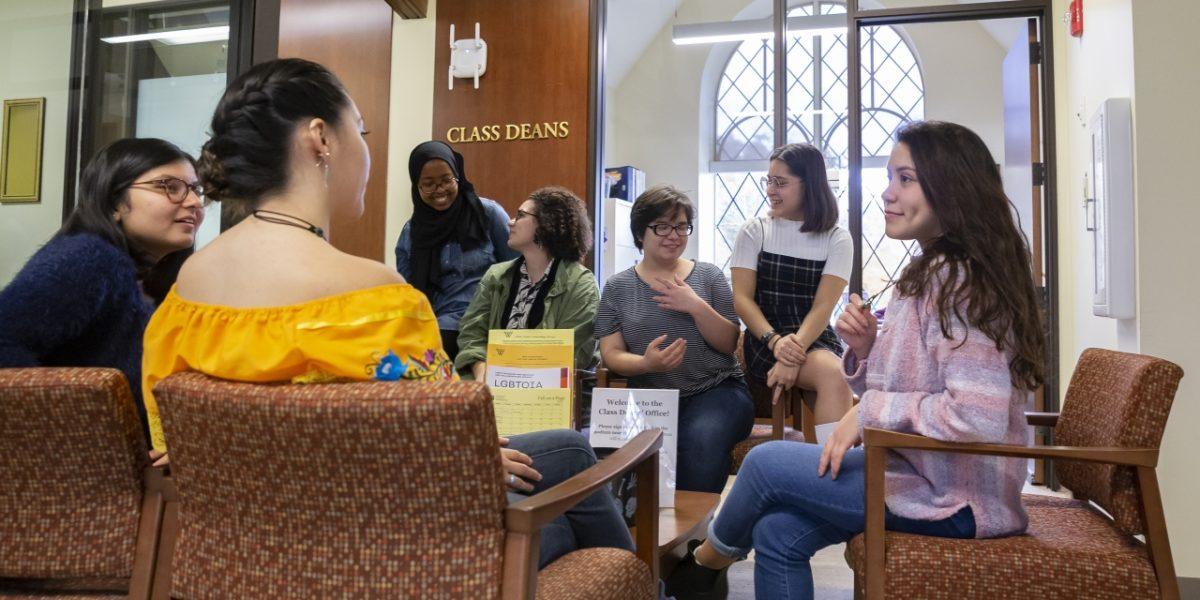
(784, 291)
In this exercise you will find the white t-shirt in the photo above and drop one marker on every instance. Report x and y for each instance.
(783, 237)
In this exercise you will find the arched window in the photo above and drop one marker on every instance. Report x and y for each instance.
(893, 93)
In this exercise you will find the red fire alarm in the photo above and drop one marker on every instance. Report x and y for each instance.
(1075, 15)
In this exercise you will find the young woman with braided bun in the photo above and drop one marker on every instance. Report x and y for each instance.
(287, 151)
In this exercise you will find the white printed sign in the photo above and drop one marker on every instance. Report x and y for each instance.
(619, 414)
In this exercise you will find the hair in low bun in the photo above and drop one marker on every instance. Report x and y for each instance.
(247, 156)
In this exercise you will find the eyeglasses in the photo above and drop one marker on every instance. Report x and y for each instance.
(664, 229)
(777, 182)
(522, 214)
(430, 187)
(175, 189)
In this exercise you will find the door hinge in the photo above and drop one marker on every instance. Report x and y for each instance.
(1039, 173)
(1035, 53)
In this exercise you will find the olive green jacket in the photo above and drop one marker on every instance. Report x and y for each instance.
(571, 303)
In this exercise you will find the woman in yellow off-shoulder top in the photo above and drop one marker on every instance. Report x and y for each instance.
(386, 333)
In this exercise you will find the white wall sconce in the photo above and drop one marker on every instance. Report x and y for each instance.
(468, 57)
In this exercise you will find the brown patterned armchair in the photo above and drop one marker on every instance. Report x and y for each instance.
(370, 490)
(1110, 430)
(79, 509)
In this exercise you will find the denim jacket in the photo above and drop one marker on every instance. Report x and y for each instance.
(461, 270)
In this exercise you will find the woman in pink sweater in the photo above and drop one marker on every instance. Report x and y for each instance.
(960, 352)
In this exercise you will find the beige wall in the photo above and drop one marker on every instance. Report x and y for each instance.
(39, 33)
(1166, 131)
(1136, 50)
(411, 115)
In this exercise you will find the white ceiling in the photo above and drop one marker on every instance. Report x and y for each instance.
(632, 24)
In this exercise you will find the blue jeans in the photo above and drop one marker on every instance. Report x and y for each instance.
(780, 508)
(711, 423)
(596, 521)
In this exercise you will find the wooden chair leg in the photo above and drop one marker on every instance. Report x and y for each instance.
(802, 411)
(876, 565)
(1156, 534)
(168, 536)
(149, 526)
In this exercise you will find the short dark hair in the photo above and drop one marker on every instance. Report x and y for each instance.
(820, 205)
(247, 156)
(103, 189)
(563, 226)
(654, 203)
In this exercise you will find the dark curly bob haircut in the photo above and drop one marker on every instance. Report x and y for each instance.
(563, 226)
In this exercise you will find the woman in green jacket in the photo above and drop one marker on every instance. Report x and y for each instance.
(545, 288)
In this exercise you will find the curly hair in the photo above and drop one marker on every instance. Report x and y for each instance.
(247, 156)
(563, 226)
(979, 266)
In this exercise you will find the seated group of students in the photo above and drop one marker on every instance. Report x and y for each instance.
(271, 300)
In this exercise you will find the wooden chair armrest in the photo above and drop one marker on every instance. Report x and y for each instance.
(1134, 457)
(607, 379)
(524, 519)
(532, 513)
(1041, 419)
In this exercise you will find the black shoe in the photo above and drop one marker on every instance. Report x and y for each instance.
(692, 581)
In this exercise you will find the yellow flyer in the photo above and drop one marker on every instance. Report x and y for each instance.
(530, 374)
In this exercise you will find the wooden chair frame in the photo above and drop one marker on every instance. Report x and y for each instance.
(877, 442)
(522, 521)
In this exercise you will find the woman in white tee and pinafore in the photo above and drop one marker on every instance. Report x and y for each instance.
(789, 269)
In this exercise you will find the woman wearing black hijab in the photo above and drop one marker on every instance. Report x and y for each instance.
(452, 238)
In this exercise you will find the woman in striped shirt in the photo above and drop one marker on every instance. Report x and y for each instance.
(669, 323)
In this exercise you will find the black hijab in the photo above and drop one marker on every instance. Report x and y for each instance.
(464, 222)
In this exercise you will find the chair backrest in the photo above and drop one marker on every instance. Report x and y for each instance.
(1115, 399)
(72, 454)
(375, 489)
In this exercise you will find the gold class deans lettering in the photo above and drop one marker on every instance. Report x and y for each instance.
(508, 132)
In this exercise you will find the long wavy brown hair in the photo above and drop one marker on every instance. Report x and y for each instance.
(989, 281)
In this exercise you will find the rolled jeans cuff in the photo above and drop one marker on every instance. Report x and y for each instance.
(722, 548)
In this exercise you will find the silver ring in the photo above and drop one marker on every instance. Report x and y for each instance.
(512, 479)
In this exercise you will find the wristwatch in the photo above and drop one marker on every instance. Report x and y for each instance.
(766, 337)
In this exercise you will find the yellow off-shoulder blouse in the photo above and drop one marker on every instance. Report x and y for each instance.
(384, 333)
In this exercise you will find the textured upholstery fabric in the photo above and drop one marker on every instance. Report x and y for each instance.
(286, 494)
(759, 434)
(596, 574)
(1070, 551)
(71, 457)
(1115, 399)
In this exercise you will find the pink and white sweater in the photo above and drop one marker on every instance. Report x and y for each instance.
(916, 381)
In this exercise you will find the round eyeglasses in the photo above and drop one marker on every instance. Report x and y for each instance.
(175, 189)
(430, 187)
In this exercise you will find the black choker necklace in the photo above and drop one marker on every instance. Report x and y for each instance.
(259, 214)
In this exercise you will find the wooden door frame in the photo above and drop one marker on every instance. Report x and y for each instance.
(1043, 12)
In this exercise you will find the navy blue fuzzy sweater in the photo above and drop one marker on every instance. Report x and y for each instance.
(76, 303)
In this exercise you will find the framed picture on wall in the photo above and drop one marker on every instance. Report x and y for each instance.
(21, 150)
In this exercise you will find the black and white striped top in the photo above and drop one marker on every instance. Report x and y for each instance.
(627, 306)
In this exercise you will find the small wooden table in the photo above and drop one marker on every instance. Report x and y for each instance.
(687, 520)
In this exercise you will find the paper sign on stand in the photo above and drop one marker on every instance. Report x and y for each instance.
(619, 414)
(529, 372)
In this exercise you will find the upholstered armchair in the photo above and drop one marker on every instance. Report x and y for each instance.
(371, 490)
(79, 507)
(1110, 430)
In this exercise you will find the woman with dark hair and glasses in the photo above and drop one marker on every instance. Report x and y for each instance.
(85, 297)
(452, 238)
(669, 323)
(789, 268)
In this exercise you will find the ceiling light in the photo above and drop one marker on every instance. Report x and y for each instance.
(758, 29)
(175, 37)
